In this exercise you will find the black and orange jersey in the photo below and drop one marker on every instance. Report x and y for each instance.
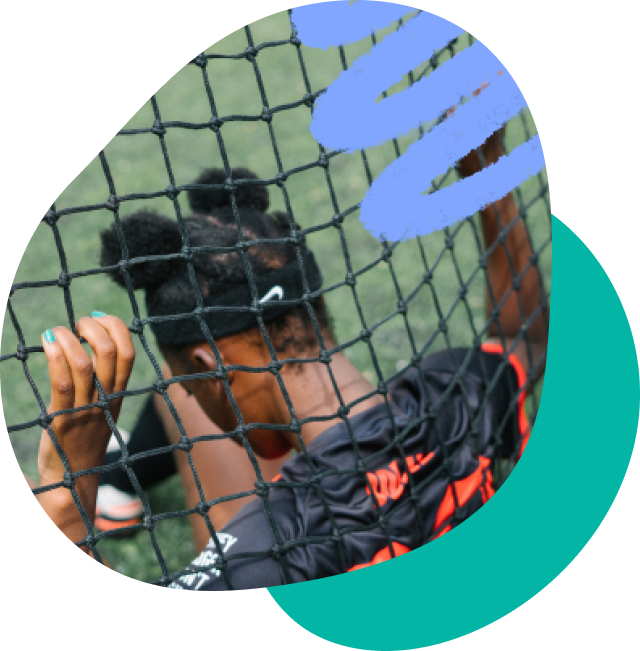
(386, 481)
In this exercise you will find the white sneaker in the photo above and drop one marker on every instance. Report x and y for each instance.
(114, 446)
(116, 509)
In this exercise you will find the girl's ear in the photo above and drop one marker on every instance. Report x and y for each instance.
(204, 360)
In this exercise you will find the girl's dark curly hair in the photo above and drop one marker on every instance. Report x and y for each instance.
(213, 224)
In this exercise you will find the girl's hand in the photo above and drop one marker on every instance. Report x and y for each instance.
(83, 435)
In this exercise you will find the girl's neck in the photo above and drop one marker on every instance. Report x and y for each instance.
(313, 395)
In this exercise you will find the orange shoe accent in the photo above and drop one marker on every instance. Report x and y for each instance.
(383, 555)
(103, 524)
(278, 477)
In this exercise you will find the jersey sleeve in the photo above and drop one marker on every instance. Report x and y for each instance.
(468, 389)
(243, 559)
(508, 397)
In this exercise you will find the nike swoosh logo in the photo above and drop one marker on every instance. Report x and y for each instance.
(274, 291)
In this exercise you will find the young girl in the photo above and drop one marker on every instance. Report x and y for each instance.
(380, 470)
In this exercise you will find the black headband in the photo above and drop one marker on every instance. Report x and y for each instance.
(233, 311)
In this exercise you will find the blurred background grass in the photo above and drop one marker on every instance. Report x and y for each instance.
(137, 166)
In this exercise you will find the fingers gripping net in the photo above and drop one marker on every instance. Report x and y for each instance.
(405, 310)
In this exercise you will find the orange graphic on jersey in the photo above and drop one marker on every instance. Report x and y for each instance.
(383, 555)
(481, 479)
(388, 483)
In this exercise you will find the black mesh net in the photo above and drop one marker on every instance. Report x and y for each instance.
(248, 102)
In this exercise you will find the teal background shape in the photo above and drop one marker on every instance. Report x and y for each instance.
(544, 515)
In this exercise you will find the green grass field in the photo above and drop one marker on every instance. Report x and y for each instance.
(137, 166)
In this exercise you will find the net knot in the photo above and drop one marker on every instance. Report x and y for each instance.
(386, 253)
(102, 404)
(274, 367)
(124, 266)
(335, 536)
(280, 179)
(186, 253)
(533, 259)
(136, 326)
(215, 124)
(229, 185)
(159, 386)
(200, 60)
(185, 445)
(427, 277)
(112, 203)
(68, 480)
(22, 353)
(309, 99)
(402, 307)
(294, 425)
(171, 192)
(277, 552)
(50, 218)
(295, 40)
(415, 360)
(63, 280)
(158, 129)
(350, 279)
(443, 326)
(516, 284)
(202, 508)
(365, 335)
(251, 53)
(448, 241)
(361, 468)
(147, 523)
(44, 420)
(323, 161)
(267, 115)
(89, 541)
(343, 412)
(463, 292)
(325, 358)
(296, 237)
(482, 261)
(382, 387)
(337, 220)
(262, 490)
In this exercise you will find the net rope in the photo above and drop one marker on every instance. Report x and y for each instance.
(139, 326)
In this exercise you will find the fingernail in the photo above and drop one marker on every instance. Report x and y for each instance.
(98, 314)
(48, 336)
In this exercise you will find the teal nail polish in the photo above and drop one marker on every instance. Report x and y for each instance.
(98, 314)
(48, 337)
